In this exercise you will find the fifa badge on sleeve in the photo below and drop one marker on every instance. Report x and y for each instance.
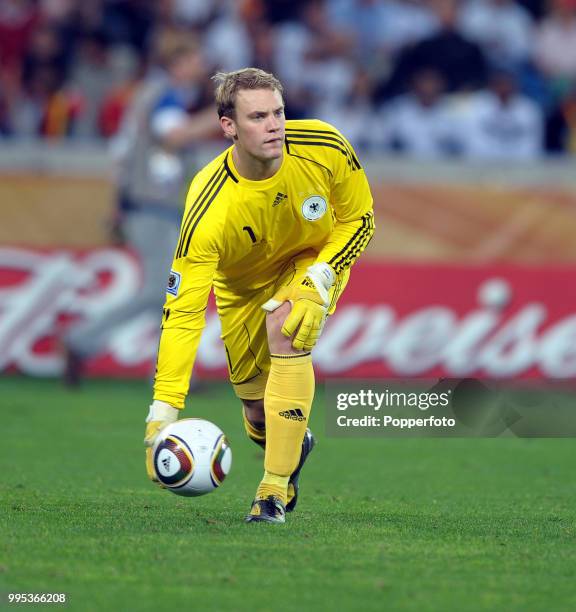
(173, 282)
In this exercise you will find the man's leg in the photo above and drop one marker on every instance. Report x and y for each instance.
(255, 426)
(255, 421)
(263, 363)
(287, 404)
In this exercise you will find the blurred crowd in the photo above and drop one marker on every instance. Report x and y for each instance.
(489, 79)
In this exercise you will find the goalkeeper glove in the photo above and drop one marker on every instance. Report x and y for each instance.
(161, 414)
(310, 300)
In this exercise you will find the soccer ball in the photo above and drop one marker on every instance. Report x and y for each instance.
(192, 457)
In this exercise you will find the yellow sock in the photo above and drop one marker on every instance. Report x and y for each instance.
(273, 485)
(254, 433)
(287, 404)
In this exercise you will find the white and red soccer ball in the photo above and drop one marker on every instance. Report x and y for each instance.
(192, 457)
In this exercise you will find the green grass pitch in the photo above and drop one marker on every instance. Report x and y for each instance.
(382, 524)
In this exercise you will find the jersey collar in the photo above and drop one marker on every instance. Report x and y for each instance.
(263, 184)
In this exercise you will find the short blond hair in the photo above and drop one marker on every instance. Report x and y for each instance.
(228, 84)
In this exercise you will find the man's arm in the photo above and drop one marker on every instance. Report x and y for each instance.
(354, 221)
(183, 320)
(187, 291)
(354, 227)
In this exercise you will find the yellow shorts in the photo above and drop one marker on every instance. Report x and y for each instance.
(244, 326)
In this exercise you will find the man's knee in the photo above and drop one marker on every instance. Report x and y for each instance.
(278, 343)
(254, 411)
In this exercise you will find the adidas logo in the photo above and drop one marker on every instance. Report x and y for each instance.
(308, 283)
(293, 415)
(166, 463)
(280, 197)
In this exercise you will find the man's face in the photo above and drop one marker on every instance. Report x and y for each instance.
(258, 124)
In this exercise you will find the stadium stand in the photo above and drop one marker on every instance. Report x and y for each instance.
(68, 69)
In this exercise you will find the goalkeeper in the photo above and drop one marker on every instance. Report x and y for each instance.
(273, 224)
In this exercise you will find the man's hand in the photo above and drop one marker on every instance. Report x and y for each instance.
(310, 300)
(161, 414)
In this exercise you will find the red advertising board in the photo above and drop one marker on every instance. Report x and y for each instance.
(394, 319)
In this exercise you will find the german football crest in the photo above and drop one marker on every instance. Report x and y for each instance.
(314, 207)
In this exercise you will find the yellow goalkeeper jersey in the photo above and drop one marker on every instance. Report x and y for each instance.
(237, 234)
